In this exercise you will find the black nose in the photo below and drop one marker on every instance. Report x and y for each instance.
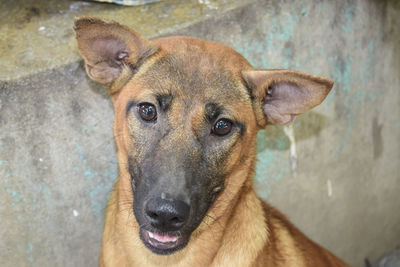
(167, 215)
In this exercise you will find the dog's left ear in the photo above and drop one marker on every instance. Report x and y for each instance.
(109, 48)
(281, 95)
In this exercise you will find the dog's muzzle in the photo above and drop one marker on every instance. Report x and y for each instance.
(165, 218)
(166, 215)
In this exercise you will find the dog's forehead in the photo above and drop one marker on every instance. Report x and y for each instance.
(198, 70)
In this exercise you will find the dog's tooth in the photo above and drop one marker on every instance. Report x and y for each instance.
(151, 235)
(162, 238)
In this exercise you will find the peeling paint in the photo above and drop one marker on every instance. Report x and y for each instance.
(368, 66)
(349, 14)
(29, 250)
(289, 131)
(342, 73)
(270, 167)
(329, 187)
(44, 188)
(88, 174)
(83, 157)
(16, 197)
(97, 192)
(102, 187)
(85, 128)
(303, 12)
(256, 51)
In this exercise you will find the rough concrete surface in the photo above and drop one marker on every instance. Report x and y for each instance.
(335, 172)
(30, 31)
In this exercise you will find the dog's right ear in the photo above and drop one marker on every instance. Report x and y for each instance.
(109, 48)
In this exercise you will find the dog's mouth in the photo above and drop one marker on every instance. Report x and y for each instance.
(162, 243)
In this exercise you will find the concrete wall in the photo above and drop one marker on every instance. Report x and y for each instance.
(335, 172)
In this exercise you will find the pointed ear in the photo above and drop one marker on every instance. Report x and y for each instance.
(108, 48)
(281, 95)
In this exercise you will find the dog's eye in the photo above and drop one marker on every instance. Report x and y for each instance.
(222, 127)
(147, 112)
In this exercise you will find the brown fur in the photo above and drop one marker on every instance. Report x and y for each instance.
(239, 228)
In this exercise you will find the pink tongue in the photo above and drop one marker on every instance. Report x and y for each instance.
(164, 238)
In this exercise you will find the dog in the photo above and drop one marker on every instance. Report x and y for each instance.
(187, 112)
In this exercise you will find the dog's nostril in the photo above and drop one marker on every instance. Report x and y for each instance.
(167, 215)
(176, 220)
(153, 215)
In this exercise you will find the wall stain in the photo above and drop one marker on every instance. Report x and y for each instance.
(377, 138)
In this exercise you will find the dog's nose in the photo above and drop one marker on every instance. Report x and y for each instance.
(167, 215)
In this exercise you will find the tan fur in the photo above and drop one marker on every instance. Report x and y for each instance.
(239, 228)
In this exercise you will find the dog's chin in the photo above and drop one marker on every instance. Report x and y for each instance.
(162, 243)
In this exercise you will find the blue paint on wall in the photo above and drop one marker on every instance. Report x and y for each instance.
(14, 193)
(303, 12)
(83, 158)
(100, 184)
(85, 128)
(398, 126)
(371, 96)
(368, 70)
(341, 71)
(270, 167)
(102, 187)
(256, 50)
(44, 189)
(247, 49)
(345, 69)
(349, 14)
(29, 250)
(16, 197)
(88, 174)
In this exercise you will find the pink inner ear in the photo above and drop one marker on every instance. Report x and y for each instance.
(107, 55)
(283, 102)
(103, 73)
(109, 49)
(107, 46)
(285, 94)
(274, 116)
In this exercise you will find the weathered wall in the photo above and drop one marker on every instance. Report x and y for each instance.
(338, 180)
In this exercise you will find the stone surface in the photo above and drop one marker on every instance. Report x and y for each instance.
(38, 35)
(57, 158)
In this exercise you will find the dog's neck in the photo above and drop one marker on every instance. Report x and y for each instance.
(226, 214)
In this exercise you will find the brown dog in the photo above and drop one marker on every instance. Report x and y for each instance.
(187, 112)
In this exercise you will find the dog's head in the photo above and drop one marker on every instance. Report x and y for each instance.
(186, 116)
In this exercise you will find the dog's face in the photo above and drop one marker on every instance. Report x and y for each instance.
(187, 119)
(187, 114)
